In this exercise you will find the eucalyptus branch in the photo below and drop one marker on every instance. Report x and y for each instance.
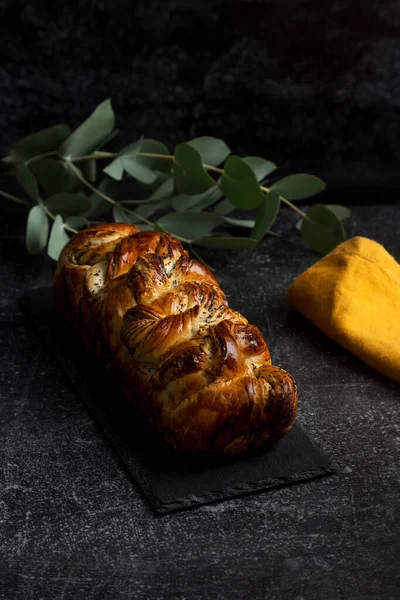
(189, 201)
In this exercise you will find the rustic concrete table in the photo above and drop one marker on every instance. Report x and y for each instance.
(74, 526)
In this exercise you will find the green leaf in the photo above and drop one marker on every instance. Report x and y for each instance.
(150, 146)
(27, 180)
(226, 242)
(266, 215)
(98, 205)
(240, 184)
(144, 210)
(137, 170)
(46, 140)
(188, 170)
(342, 212)
(189, 225)
(185, 202)
(144, 227)
(260, 166)
(77, 222)
(298, 187)
(53, 176)
(213, 151)
(246, 223)
(58, 238)
(89, 169)
(37, 230)
(115, 169)
(224, 207)
(119, 215)
(165, 190)
(67, 205)
(91, 133)
(322, 230)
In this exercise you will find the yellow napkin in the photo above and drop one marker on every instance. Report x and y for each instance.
(353, 296)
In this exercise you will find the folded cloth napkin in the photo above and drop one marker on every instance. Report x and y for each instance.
(353, 296)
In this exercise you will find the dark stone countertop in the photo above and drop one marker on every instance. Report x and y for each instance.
(73, 525)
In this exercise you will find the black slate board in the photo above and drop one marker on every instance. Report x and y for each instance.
(168, 482)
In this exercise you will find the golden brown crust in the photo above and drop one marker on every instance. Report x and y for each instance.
(161, 325)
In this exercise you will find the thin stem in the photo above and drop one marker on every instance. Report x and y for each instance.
(15, 198)
(107, 198)
(293, 206)
(216, 169)
(71, 229)
(95, 155)
(151, 155)
(39, 156)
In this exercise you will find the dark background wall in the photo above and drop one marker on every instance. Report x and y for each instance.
(313, 85)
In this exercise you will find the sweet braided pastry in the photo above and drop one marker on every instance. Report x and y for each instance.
(161, 326)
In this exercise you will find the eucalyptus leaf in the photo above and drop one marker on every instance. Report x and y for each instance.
(37, 230)
(190, 224)
(91, 134)
(98, 205)
(322, 230)
(137, 170)
(260, 166)
(89, 169)
(150, 146)
(240, 184)
(299, 186)
(67, 205)
(188, 170)
(342, 212)
(146, 209)
(165, 190)
(224, 207)
(53, 176)
(213, 151)
(115, 169)
(58, 238)
(245, 223)
(185, 202)
(46, 140)
(77, 222)
(144, 227)
(266, 215)
(226, 242)
(120, 216)
(27, 180)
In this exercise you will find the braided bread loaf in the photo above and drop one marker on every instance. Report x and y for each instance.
(161, 326)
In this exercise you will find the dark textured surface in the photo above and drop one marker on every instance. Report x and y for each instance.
(312, 85)
(72, 525)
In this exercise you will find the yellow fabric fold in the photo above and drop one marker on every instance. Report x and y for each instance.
(353, 296)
